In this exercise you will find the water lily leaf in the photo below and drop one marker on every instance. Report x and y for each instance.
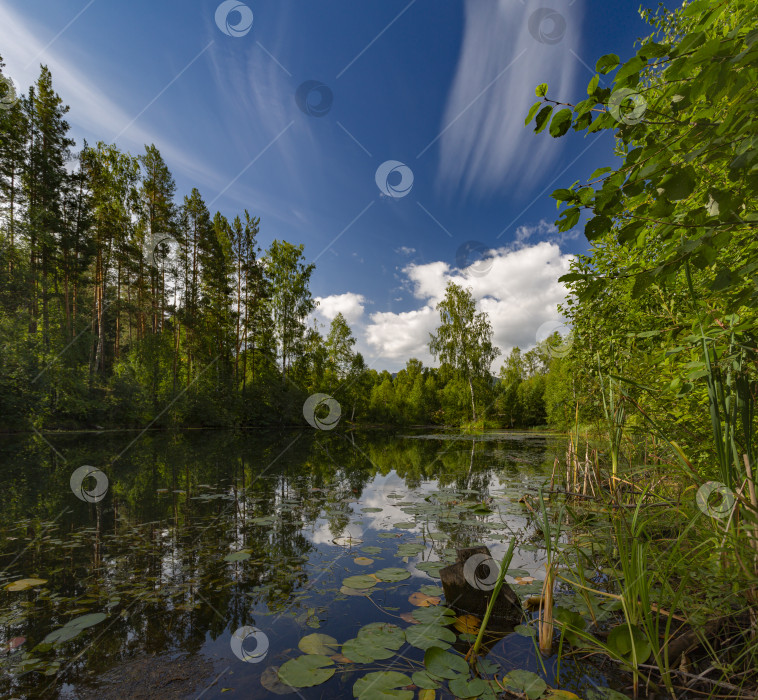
(525, 682)
(426, 636)
(431, 590)
(375, 641)
(24, 584)
(422, 600)
(426, 694)
(525, 631)
(405, 526)
(270, 681)
(438, 614)
(443, 664)
(382, 685)
(467, 687)
(318, 644)
(371, 549)
(605, 694)
(347, 541)
(363, 561)
(371, 510)
(346, 590)
(392, 574)
(556, 694)
(423, 680)
(360, 581)
(306, 671)
(621, 639)
(237, 556)
(86, 620)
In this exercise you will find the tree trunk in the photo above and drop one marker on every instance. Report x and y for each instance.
(473, 405)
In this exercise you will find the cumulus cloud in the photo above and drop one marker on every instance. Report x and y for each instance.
(350, 305)
(519, 293)
(484, 145)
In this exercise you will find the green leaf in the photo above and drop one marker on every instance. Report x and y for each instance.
(426, 636)
(541, 90)
(467, 687)
(443, 664)
(360, 581)
(532, 111)
(542, 118)
(678, 184)
(596, 227)
(423, 680)
(392, 574)
(599, 172)
(605, 64)
(560, 123)
(381, 685)
(525, 682)
(622, 638)
(375, 641)
(318, 644)
(593, 85)
(306, 671)
(569, 220)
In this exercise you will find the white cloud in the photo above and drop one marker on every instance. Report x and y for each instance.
(519, 293)
(405, 250)
(484, 145)
(350, 305)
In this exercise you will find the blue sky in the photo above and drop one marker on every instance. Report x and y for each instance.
(440, 87)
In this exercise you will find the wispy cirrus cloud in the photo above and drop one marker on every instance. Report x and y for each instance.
(507, 50)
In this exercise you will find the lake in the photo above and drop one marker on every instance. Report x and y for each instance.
(199, 560)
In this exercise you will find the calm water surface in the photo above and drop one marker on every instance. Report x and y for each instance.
(201, 533)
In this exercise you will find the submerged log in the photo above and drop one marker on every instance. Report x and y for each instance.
(468, 588)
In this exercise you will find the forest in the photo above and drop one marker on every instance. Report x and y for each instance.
(122, 305)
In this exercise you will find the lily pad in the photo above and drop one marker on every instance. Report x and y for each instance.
(375, 641)
(370, 549)
(318, 644)
(422, 600)
(360, 581)
(306, 671)
(365, 592)
(525, 682)
(423, 680)
(437, 614)
(443, 664)
(467, 687)
(382, 685)
(363, 561)
(427, 636)
(270, 681)
(392, 574)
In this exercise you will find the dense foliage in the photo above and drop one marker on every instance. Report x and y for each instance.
(121, 306)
